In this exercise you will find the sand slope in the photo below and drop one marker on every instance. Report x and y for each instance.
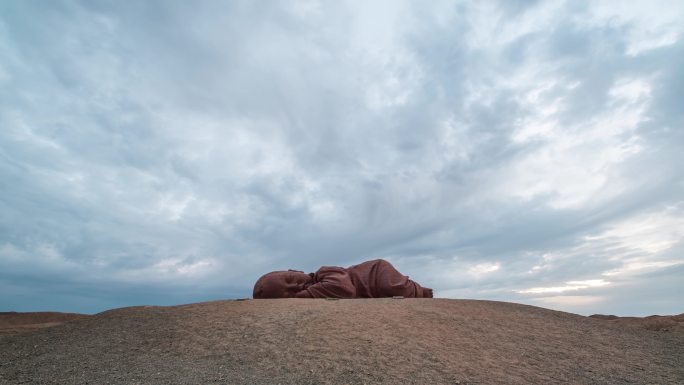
(391, 341)
(13, 322)
(672, 323)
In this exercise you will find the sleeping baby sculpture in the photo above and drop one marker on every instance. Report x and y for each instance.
(372, 279)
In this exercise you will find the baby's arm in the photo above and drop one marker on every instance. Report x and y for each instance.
(331, 282)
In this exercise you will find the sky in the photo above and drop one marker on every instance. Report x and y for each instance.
(167, 152)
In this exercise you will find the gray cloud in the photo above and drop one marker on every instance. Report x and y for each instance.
(165, 153)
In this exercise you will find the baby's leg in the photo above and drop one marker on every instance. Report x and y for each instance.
(390, 282)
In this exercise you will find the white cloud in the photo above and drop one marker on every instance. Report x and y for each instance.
(648, 234)
(572, 303)
(569, 286)
(483, 268)
(635, 247)
(578, 163)
(649, 26)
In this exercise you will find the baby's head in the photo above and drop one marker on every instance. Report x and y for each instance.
(281, 284)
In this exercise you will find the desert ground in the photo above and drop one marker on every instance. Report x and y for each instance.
(356, 341)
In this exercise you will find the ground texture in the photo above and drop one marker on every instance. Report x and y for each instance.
(359, 341)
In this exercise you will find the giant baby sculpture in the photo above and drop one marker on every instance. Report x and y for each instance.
(372, 279)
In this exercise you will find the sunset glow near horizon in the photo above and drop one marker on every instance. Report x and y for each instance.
(172, 152)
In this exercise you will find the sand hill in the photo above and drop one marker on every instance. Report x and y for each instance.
(388, 341)
(13, 322)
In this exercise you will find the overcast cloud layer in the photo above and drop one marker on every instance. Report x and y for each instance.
(169, 152)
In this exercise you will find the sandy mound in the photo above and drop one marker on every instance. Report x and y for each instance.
(668, 323)
(13, 322)
(391, 341)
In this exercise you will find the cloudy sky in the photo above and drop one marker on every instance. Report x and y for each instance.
(162, 152)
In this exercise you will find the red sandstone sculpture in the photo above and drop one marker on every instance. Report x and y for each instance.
(372, 279)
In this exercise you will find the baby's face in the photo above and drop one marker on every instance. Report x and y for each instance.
(281, 284)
